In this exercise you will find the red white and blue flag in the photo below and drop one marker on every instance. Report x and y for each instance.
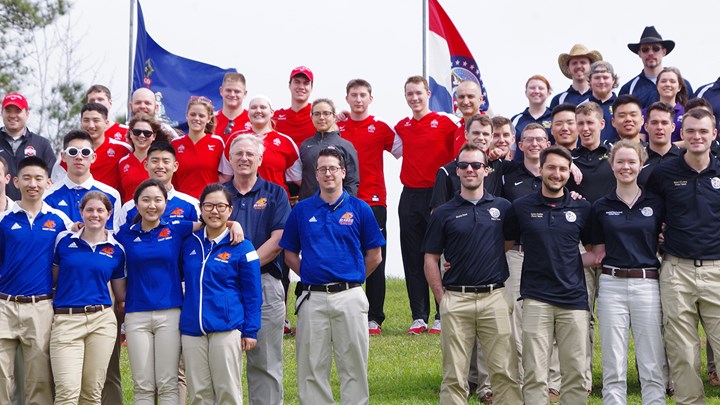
(449, 61)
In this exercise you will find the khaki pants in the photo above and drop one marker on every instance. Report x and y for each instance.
(332, 325)
(80, 349)
(484, 316)
(213, 368)
(689, 295)
(27, 326)
(592, 282)
(112, 391)
(541, 323)
(153, 343)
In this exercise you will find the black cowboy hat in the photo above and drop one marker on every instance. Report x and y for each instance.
(651, 36)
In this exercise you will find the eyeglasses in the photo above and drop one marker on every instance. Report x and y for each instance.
(326, 114)
(142, 132)
(73, 151)
(201, 99)
(646, 49)
(329, 169)
(474, 165)
(220, 207)
(229, 127)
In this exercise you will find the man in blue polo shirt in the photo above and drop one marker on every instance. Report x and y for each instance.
(575, 65)
(555, 303)
(66, 194)
(690, 272)
(468, 230)
(27, 239)
(262, 208)
(340, 243)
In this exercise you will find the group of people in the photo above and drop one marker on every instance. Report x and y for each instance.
(188, 240)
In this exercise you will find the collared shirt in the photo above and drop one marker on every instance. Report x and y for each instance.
(118, 132)
(692, 201)
(711, 93)
(608, 134)
(653, 160)
(26, 249)
(570, 96)
(199, 163)
(261, 211)
(645, 89)
(66, 197)
(521, 120)
(152, 265)
(333, 238)
(471, 237)
(84, 270)
(297, 125)
(132, 173)
(32, 145)
(598, 178)
(179, 206)
(519, 182)
(551, 233)
(240, 123)
(630, 235)
(105, 167)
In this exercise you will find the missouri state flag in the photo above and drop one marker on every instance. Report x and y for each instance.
(172, 78)
(449, 61)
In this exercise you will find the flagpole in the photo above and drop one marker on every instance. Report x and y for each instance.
(425, 26)
(130, 55)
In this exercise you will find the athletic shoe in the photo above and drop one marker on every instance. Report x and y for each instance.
(435, 328)
(374, 328)
(554, 396)
(487, 398)
(286, 328)
(713, 378)
(418, 326)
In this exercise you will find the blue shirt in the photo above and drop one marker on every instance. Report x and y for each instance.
(711, 93)
(152, 265)
(645, 90)
(608, 134)
(260, 212)
(84, 271)
(66, 196)
(333, 238)
(179, 206)
(653, 160)
(570, 96)
(26, 249)
(223, 290)
(520, 121)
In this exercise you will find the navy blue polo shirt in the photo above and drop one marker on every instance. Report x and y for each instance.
(152, 265)
(653, 160)
(711, 93)
(570, 96)
(551, 233)
(692, 201)
(598, 178)
(26, 249)
(84, 271)
(179, 207)
(645, 89)
(471, 237)
(66, 196)
(261, 211)
(630, 235)
(520, 121)
(332, 238)
(608, 134)
(519, 182)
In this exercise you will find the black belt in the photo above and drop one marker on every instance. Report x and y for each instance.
(87, 309)
(331, 288)
(25, 299)
(647, 272)
(517, 247)
(475, 289)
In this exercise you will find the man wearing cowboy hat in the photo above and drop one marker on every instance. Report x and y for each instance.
(651, 50)
(575, 65)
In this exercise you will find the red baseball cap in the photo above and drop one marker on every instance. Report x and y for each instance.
(16, 99)
(302, 70)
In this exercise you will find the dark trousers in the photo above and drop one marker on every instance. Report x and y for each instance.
(375, 284)
(414, 215)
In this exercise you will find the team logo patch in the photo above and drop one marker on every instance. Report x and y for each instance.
(260, 204)
(536, 215)
(494, 213)
(570, 216)
(223, 257)
(111, 152)
(181, 148)
(346, 219)
(49, 225)
(434, 124)
(177, 212)
(546, 124)
(407, 124)
(715, 183)
(248, 125)
(107, 251)
(281, 117)
(371, 128)
(647, 211)
(126, 168)
(276, 141)
(30, 151)
(211, 147)
(164, 234)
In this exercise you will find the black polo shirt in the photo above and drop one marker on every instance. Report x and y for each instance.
(471, 237)
(551, 232)
(630, 235)
(598, 178)
(519, 182)
(653, 160)
(692, 201)
(447, 182)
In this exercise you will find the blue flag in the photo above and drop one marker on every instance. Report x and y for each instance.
(172, 78)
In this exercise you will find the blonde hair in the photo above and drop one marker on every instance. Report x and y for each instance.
(636, 146)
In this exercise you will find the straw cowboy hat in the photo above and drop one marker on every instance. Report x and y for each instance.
(577, 50)
(651, 36)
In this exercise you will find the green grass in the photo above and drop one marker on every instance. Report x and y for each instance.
(407, 369)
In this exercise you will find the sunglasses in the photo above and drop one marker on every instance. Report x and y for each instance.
(142, 132)
(474, 165)
(229, 127)
(73, 151)
(646, 49)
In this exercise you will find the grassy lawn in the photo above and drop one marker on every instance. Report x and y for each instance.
(407, 369)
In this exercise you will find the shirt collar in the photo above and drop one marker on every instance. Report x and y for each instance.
(563, 203)
(460, 200)
(137, 226)
(87, 184)
(110, 238)
(219, 239)
(16, 208)
(6, 134)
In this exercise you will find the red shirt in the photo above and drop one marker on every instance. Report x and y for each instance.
(296, 125)
(242, 122)
(132, 172)
(459, 138)
(370, 138)
(117, 132)
(105, 167)
(198, 163)
(427, 145)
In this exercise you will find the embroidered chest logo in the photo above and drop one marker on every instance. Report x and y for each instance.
(164, 234)
(276, 141)
(126, 168)
(211, 147)
(177, 212)
(546, 124)
(494, 214)
(434, 124)
(281, 117)
(715, 183)
(30, 151)
(679, 183)
(181, 149)
(371, 128)
(223, 257)
(570, 216)
(260, 204)
(107, 251)
(536, 215)
(49, 225)
(407, 124)
(111, 152)
(346, 219)
(647, 211)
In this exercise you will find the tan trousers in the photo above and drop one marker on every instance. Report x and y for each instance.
(213, 368)
(112, 391)
(27, 326)
(485, 317)
(80, 349)
(541, 323)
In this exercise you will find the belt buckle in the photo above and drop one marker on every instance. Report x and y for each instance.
(492, 286)
(612, 271)
(86, 307)
(17, 298)
(328, 287)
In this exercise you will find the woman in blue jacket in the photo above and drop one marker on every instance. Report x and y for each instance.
(221, 310)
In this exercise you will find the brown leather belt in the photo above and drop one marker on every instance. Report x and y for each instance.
(87, 309)
(648, 272)
(25, 299)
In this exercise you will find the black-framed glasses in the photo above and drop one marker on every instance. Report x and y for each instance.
(142, 132)
(646, 49)
(220, 207)
(326, 114)
(73, 151)
(329, 169)
(229, 127)
(474, 165)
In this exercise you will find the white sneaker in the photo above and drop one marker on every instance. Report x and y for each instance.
(435, 328)
(418, 326)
